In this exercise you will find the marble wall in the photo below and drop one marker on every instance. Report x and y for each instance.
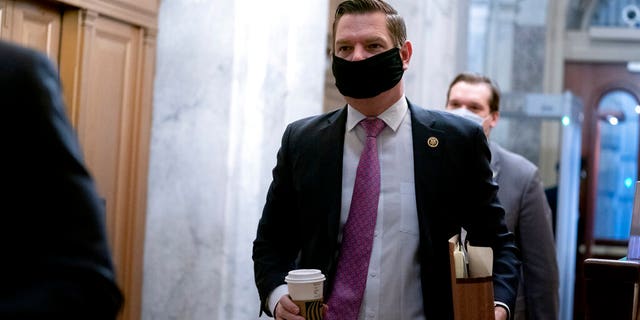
(230, 75)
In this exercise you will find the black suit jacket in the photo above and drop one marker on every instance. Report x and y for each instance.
(454, 188)
(55, 259)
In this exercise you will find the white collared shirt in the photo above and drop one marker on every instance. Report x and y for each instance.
(393, 289)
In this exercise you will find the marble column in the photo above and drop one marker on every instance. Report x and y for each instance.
(437, 30)
(499, 57)
(230, 75)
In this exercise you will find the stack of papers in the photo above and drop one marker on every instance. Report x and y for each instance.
(471, 261)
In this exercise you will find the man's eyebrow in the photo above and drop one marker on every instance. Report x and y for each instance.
(367, 40)
(375, 39)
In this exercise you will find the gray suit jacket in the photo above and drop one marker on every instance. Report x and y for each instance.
(528, 216)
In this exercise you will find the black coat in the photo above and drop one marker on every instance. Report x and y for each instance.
(454, 188)
(55, 258)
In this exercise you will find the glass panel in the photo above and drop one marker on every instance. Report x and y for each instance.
(617, 13)
(618, 114)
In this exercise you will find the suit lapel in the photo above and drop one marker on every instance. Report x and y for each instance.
(331, 151)
(428, 147)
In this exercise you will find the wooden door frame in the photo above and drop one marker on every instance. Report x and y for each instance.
(606, 78)
(80, 26)
(598, 45)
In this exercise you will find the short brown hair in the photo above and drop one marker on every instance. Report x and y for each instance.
(474, 78)
(395, 23)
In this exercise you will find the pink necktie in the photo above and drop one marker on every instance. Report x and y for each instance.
(357, 234)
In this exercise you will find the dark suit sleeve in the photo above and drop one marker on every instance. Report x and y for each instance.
(486, 224)
(56, 258)
(273, 249)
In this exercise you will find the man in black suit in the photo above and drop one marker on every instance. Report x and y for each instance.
(55, 260)
(434, 178)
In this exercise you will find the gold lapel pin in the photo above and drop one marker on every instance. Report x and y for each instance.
(432, 142)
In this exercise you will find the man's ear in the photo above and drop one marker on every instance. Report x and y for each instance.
(405, 53)
(495, 116)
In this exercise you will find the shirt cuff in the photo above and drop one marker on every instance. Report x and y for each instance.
(275, 296)
(501, 304)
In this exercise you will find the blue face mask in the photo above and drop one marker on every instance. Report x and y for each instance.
(465, 113)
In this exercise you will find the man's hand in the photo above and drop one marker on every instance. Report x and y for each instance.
(287, 310)
(500, 313)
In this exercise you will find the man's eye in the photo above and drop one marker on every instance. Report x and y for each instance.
(343, 48)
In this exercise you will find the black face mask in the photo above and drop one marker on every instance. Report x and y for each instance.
(369, 77)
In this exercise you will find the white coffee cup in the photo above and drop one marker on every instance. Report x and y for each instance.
(305, 288)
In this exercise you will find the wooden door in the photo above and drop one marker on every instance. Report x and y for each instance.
(106, 68)
(591, 82)
(32, 24)
(112, 121)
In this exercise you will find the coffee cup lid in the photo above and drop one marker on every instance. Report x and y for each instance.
(304, 276)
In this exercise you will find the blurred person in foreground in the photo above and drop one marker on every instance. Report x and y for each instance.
(370, 194)
(522, 194)
(56, 262)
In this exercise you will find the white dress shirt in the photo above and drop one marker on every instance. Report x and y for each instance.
(393, 289)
